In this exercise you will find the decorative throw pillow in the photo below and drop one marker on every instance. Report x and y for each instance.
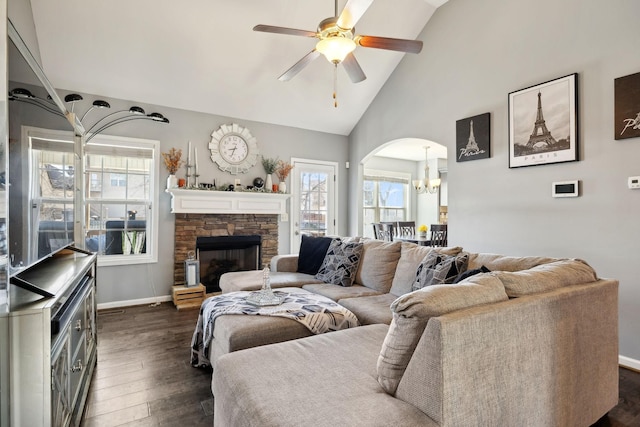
(470, 273)
(312, 252)
(340, 263)
(437, 269)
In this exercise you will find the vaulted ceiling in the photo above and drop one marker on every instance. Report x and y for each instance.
(202, 55)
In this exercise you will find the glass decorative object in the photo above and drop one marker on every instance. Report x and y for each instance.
(265, 295)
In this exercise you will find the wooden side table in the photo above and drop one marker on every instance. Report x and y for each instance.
(188, 297)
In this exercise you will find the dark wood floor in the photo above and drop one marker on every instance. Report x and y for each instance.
(144, 378)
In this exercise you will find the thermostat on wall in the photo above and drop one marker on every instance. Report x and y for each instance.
(565, 189)
(634, 182)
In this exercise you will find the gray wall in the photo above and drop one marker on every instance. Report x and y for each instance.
(475, 53)
(125, 283)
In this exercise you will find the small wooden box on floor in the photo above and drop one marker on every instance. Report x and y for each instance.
(188, 297)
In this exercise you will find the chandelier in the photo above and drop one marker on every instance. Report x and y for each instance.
(426, 185)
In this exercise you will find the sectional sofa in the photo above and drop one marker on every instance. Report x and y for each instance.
(517, 341)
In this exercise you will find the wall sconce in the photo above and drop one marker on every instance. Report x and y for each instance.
(426, 185)
(112, 119)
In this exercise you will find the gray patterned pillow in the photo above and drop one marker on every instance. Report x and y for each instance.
(438, 269)
(340, 263)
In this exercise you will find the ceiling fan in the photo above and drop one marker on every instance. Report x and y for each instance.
(337, 41)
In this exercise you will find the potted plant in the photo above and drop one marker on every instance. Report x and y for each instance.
(173, 161)
(282, 171)
(422, 231)
(270, 165)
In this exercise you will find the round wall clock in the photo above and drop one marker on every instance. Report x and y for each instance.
(233, 148)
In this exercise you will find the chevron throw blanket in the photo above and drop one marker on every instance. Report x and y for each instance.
(318, 313)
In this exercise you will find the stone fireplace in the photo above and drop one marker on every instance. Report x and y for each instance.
(203, 213)
(190, 227)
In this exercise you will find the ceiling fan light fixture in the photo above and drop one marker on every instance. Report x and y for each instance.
(336, 48)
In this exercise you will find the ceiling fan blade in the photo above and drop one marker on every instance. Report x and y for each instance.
(284, 30)
(352, 12)
(401, 45)
(353, 69)
(298, 66)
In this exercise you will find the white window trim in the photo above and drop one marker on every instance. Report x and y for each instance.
(152, 250)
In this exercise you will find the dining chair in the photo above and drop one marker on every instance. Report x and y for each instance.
(438, 235)
(405, 228)
(383, 231)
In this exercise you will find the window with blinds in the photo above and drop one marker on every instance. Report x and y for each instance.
(120, 177)
(385, 198)
(120, 193)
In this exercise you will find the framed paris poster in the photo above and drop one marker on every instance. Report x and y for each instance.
(543, 123)
(627, 106)
(473, 138)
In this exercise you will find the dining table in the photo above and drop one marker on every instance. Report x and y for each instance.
(414, 238)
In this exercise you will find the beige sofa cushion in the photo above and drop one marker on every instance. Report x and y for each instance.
(547, 277)
(495, 262)
(252, 280)
(378, 264)
(372, 309)
(337, 292)
(411, 255)
(412, 311)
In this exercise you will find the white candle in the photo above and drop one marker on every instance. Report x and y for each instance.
(195, 156)
(189, 155)
(191, 275)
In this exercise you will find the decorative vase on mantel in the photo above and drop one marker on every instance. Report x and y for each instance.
(268, 183)
(282, 187)
(172, 181)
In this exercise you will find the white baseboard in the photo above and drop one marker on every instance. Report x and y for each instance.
(628, 362)
(131, 302)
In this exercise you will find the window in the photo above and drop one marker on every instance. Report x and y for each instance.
(385, 198)
(120, 197)
(51, 193)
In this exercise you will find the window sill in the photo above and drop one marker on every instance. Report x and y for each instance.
(113, 260)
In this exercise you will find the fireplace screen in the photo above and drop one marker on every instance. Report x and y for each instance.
(223, 254)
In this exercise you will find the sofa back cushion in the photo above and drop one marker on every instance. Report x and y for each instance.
(411, 255)
(495, 262)
(378, 264)
(547, 277)
(412, 311)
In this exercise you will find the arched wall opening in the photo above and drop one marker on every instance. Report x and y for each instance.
(401, 160)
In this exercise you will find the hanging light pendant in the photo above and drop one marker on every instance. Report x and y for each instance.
(426, 185)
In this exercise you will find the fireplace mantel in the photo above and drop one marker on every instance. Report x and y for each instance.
(227, 202)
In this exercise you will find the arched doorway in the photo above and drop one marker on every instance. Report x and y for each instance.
(386, 182)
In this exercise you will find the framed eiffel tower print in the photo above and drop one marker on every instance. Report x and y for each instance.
(627, 106)
(543, 123)
(473, 138)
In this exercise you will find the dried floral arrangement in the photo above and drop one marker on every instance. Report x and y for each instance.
(270, 165)
(172, 160)
(283, 169)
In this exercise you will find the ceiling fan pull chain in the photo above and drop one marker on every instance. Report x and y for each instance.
(335, 85)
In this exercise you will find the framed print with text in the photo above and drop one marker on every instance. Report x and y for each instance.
(543, 123)
(627, 106)
(473, 136)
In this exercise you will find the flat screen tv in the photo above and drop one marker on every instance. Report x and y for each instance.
(33, 104)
